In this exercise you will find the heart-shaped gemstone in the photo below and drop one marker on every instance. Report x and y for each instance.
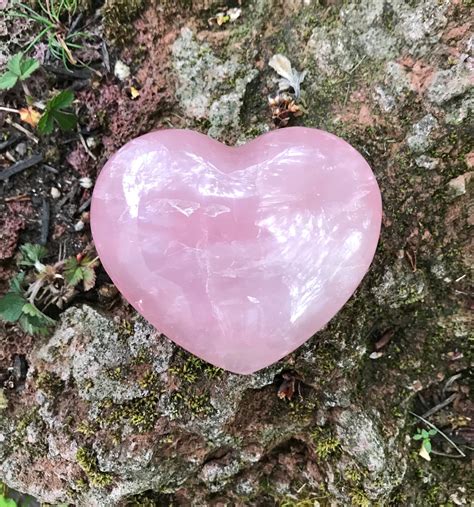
(238, 254)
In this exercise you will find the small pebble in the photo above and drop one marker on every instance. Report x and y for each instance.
(85, 182)
(55, 193)
(20, 148)
(79, 226)
(376, 355)
(121, 70)
(91, 142)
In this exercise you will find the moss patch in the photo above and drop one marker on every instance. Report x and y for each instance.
(87, 460)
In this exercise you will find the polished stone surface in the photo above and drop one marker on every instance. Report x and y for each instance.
(237, 254)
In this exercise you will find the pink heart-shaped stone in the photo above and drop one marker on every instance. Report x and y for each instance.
(238, 254)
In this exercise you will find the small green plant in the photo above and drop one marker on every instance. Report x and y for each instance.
(19, 68)
(15, 307)
(42, 285)
(4, 500)
(31, 256)
(80, 268)
(54, 113)
(425, 437)
(54, 18)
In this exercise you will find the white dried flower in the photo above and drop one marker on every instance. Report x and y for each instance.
(291, 78)
(121, 70)
(85, 182)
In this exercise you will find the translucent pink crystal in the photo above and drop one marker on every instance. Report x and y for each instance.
(238, 254)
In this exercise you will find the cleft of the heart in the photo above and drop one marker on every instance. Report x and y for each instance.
(237, 254)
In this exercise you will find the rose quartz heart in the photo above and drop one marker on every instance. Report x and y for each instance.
(238, 254)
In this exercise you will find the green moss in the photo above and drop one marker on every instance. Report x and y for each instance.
(125, 328)
(352, 475)
(194, 375)
(326, 444)
(87, 385)
(190, 404)
(191, 369)
(21, 426)
(327, 447)
(87, 460)
(143, 357)
(359, 498)
(117, 17)
(87, 428)
(140, 413)
(149, 380)
(115, 373)
(80, 484)
(291, 502)
(50, 383)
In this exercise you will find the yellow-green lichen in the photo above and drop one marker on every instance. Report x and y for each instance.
(359, 499)
(87, 460)
(326, 444)
(140, 413)
(190, 369)
(49, 383)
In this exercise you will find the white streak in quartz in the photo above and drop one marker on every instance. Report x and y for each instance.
(136, 181)
(187, 208)
(216, 210)
(352, 243)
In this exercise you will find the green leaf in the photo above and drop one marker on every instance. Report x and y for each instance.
(31, 310)
(54, 114)
(61, 100)
(417, 437)
(425, 434)
(8, 80)
(66, 121)
(32, 325)
(88, 276)
(11, 306)
(14, 64)
(32, 254)
(73, 272)
(17, 282)
(34, 321)
(27, 67)
(433, 432)
(7, 502)
(46, 123)
(427, 445)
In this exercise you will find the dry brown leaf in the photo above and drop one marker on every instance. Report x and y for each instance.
(30, 115)
(134, 93)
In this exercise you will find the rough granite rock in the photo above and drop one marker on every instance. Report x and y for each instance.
(419, 138)
(208, 87)
(450, 83)
(89, 374)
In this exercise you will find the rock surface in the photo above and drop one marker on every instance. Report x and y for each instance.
(112, 413)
